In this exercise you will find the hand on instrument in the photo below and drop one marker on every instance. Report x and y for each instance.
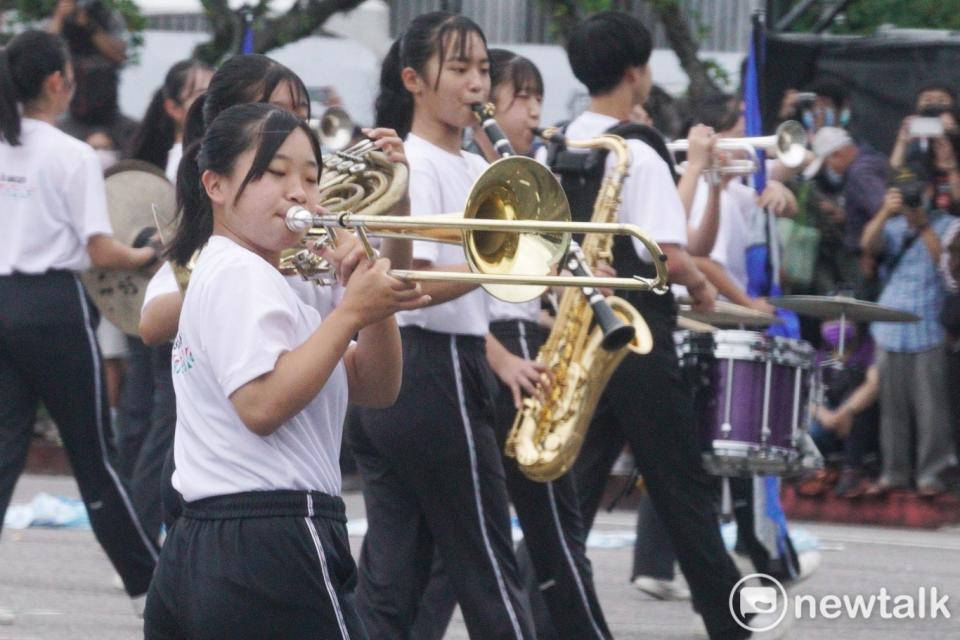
(703, 295)
(372, 294)
(523, 377)
(345, 257)
(702, 142)
(389, 142)
(774, 198)
(761, 304)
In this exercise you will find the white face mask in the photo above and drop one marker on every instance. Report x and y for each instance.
(108, 158)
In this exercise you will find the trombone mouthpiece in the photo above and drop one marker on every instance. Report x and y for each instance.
(298, 218)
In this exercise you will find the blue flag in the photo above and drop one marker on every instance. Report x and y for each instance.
(763, 261)
(762, 280)
(246, 45)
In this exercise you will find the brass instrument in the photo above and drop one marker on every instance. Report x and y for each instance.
(789, 143)
(547, 434)
(515, 230)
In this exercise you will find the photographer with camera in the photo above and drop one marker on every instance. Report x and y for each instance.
(907, 237)
(930, 136)
(96, 36)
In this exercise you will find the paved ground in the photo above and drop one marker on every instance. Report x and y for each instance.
(59, 582)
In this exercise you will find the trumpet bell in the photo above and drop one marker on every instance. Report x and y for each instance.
(334, 128)
(791, 143)
(516, 188)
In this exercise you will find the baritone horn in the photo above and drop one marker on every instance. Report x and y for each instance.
(788, 143)
(515, 230)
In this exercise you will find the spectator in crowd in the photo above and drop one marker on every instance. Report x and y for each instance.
(950, 318)
(96, 37)
(824, 104)
(846, 424)
(922, 139)
(907, 235)
(854, 175)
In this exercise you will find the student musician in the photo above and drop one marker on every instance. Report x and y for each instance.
(432, 469)
(262, 384)
(55, 225)
(609, 52)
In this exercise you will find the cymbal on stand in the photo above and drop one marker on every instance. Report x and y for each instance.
(852, 309)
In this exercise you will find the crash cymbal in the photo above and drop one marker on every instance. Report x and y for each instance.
(727, 314)
(834, 306)
(134, 190)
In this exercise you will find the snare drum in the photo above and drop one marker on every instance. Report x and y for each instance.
(751, 399)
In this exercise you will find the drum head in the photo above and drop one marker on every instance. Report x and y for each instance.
(138, 196)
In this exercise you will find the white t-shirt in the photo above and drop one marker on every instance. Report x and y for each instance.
(239, 316)
(173, 161)
(737, 205)
(649, 198)
(52, 201)
(323, 299)
(500, 310)
(440, 182)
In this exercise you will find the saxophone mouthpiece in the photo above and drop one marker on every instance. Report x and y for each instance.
(298, 218)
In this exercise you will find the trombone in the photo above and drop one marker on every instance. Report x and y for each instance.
(788, 143)
(515, 231)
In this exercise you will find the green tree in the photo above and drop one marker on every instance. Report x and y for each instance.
(862, 17)
(18, 14)
(270, 31)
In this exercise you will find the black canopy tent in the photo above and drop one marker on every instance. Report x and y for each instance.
(882, 74)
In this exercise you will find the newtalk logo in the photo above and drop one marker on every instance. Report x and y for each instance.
(762, 608)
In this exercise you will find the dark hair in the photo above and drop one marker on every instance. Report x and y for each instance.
(427, 35)
(239, 128)
(25, 63)
(157, 132)
(832, 90)
(606, 44)
(507, 66)
(239, 80)
(720, 111)
(938, 86)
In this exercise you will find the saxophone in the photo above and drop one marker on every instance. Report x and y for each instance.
(582, 355)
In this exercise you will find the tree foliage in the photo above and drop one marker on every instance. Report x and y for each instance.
(21, 14)
(863, 17)
(270, 30)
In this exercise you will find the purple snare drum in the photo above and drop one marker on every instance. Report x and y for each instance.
(752, 400)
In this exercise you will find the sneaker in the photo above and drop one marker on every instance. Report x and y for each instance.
(139, 603)
(809, 562)
(6, 617)
(661, 589)
(117, 582)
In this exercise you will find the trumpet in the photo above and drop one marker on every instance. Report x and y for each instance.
(515, 230)
(334, 128)
(789, 143)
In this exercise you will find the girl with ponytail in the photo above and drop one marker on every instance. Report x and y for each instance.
(159, 138)
(262, 383)
(438, 480)
(56, 224)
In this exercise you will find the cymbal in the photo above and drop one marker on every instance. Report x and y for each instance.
(834, 306)
(727, 314)
(134, 188)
